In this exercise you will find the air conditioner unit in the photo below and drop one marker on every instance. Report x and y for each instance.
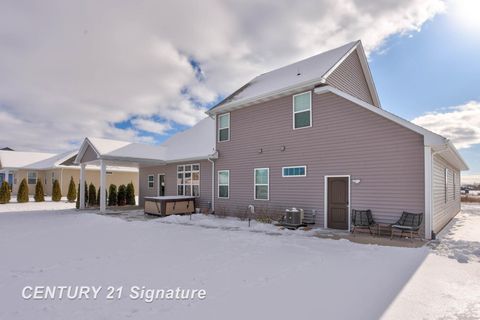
(294, 216)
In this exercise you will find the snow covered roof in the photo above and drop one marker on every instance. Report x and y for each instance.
(21, 159)
(197, 142)
(51, 162)
(305, 72)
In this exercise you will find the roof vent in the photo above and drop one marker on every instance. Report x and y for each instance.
(298, 72)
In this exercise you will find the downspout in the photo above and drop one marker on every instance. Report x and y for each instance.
(211, 159)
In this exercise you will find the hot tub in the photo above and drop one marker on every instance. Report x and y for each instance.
(167, 205)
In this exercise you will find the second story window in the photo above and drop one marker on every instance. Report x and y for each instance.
(224, 127)
(302, 110)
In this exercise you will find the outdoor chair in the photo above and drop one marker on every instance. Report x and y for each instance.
(408, 222)
(362, 219)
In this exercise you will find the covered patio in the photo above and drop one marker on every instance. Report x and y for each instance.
(108, 154)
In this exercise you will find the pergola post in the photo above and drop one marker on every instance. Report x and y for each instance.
(82, 186)
(103, 178)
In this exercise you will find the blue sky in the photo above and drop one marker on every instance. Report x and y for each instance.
(430, 70)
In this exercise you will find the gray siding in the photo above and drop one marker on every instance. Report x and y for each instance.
(349, 78)
(444, 209)
(345, 139)
(170, 171)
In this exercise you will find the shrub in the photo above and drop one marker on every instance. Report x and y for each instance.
(112, 195)
(98, 197)
(4, 192)
(130, 194)
(122, 195)
(92, 195)
(77, 204)
(72, 192)
(56, 192)
(22, 194)
(39, 194)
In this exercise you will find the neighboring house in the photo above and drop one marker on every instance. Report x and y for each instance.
(48, 167)
(310, 135)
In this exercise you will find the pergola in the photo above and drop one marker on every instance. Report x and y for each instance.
(112, 153)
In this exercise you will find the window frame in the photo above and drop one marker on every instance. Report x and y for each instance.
(153, 181)
(255, 184)
(219, 128)
(295, 112)
(28, 177)
(191, 171)
(294, 176)
(223, 184)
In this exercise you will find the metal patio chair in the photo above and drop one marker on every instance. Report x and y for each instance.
(408, 222)
(362, 219)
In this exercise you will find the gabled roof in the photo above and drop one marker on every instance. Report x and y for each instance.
(302, 74)
(198, 142)
(21, 159)
(431, 139)
(52, 162)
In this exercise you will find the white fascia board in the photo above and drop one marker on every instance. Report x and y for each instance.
(265, 97)
(430, 138)
(339, 62)
(462, 164)
(82, 150)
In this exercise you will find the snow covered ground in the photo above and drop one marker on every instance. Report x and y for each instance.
(248, 273)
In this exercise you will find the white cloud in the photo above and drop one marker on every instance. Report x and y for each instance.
(72, 69)
(151, 126)
(461, 124)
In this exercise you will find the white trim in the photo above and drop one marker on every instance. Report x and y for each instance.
(255, 184)
(218, 126)
(158, 183)
(237, 104)
(295, 112)
(153, 181)
(103, 186)
(325, 199)
(82, 186)
(428, 158)
(290, 167)
(339, 62)
(218, 184)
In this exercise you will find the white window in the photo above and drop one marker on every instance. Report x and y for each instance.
(150, 181)
(302, 110)
(32, 178)
(53, 177)
(300, 171)
(224, 127)
(224, 184)
(261, 176)
(188, 180)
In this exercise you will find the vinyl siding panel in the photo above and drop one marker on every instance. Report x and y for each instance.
(444, 208)
(345, 139)
(349, 78)
(170, 171)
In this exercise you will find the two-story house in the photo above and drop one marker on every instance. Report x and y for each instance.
(311, 135)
